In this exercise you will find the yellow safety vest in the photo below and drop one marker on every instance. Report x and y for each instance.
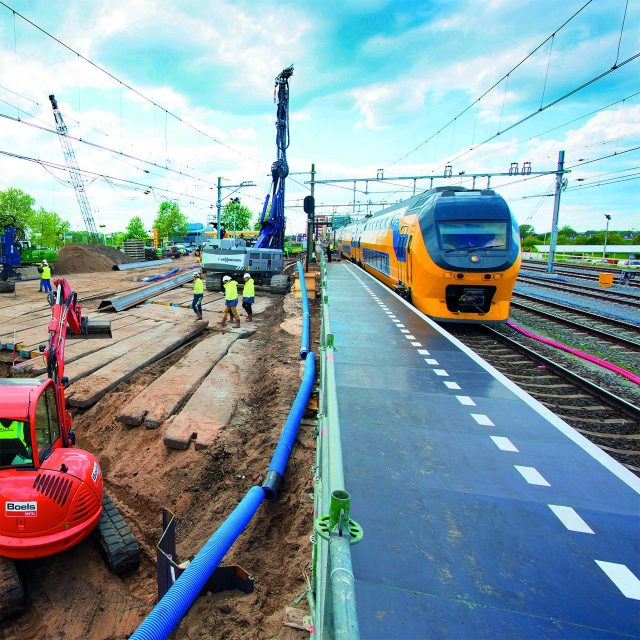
(198, 287)
(231, 290)
(249, 290)
(330, 247)
(46, 272)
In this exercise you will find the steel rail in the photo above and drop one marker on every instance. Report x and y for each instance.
(606, 335)
(621, 324)
(127, 300)
(632, 301)
(591, 387)
(588, 274)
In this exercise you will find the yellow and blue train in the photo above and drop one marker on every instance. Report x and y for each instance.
(453, 252)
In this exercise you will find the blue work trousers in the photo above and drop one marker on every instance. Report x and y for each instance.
(196, 305)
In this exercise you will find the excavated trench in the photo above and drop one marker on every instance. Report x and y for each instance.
(73, 596)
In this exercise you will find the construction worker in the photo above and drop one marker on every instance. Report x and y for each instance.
(230, 300)
(329, 250)
(248, 295)
(45, 277)
(198, 294)
(14, 441)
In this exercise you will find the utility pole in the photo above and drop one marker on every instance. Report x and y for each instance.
(556, 211)
(219, 205)
(311, 218)
(606, 235)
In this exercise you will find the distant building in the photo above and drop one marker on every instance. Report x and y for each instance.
(193, 235)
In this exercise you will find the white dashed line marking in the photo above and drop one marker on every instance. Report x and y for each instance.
(466, 400)
(399, 324)
(622, 577)
(404, 330)
(416, 344)
(423, 352)
(570, 519)
(451, 385)
(392, 315)
(532, 475)
(410, 337)
(440, 372)
(504, 444)
(431, 361)
(480, 418)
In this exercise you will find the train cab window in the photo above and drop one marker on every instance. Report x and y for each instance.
(15, 443)
(47, 427)
(467, 235)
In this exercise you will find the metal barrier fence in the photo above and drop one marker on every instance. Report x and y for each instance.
(333, 603)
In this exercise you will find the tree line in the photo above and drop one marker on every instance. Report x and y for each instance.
(568, 235)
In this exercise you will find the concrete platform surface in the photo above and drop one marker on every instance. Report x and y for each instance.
(485, 516)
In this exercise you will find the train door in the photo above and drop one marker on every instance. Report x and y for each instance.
(402, 256)
(409, 281)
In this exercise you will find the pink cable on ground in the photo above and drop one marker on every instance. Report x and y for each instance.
(580, 354)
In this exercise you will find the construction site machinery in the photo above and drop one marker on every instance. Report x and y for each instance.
(74, 172)
(11, 237)
(265, 259)
(51, 493)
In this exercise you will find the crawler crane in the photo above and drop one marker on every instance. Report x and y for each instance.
(51, 493)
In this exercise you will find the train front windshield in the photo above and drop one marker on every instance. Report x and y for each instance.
(467, 235)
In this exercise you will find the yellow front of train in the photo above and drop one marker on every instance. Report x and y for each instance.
(466, 257)
(455, 253)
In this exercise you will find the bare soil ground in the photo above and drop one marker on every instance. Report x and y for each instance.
(73, 596)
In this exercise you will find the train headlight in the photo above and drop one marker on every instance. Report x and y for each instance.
(475, 258)
(497, 276)
(448, 275)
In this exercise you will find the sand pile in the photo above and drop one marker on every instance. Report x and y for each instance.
(88, 258)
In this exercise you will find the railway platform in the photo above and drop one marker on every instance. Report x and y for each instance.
(484, 515)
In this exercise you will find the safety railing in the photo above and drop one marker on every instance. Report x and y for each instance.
(334, 603)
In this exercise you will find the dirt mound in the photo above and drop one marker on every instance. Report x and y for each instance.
(88, 258)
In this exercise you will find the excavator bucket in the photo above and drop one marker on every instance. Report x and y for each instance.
(96, 328)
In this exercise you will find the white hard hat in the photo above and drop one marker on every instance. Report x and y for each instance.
(44, 262)
(247, 276)
(226, 278)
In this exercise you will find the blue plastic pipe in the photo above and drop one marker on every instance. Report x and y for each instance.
(305, 338)
(176, 602)
(273, 479)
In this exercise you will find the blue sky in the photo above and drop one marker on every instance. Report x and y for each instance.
(373, 81)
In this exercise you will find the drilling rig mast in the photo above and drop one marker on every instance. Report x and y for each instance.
(74, 172)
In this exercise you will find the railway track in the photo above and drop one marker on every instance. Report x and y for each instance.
(610, 296)
(610, 329)
(581, 271)
(607, 420)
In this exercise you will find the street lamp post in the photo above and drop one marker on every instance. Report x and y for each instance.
(606, 234)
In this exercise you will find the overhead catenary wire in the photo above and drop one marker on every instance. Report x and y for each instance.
(55, 165)
(95, 145)
(87, 126)
(497, 83)
(573, 91)
(127, 85)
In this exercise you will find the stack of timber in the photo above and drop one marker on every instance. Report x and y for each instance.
(134, 249)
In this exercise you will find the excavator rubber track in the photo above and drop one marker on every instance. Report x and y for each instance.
(12, 595)
(117, 542)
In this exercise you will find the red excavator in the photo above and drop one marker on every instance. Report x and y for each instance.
(51, 494)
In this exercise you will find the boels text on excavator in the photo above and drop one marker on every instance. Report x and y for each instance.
(51, 493)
